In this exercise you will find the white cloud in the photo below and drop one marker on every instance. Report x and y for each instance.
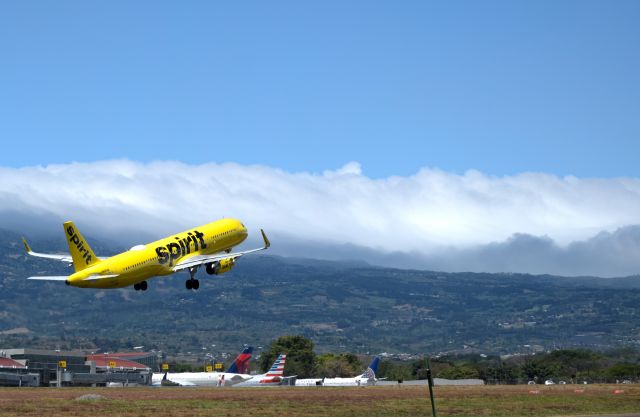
(421, 213)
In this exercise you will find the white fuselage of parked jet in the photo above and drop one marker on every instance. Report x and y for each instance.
(358, 381)
(199, 379)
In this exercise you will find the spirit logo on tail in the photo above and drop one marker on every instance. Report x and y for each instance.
(76, 240)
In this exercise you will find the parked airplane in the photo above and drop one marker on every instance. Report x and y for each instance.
(209, 245)
(368, 377)
(236, 373)
(274, 376)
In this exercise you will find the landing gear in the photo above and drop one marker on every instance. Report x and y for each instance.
(140, 286)
(192, 283)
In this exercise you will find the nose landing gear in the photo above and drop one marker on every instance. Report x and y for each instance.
(140, 286)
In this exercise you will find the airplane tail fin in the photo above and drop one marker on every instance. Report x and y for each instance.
(370, 373)
(81, 252)
(241, 364)
(277, 369)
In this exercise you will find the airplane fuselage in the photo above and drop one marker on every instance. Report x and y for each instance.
(347, 382)
(200, 379)
(160, 257)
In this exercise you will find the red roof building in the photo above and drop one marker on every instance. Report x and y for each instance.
(103, 360)
(10, 363)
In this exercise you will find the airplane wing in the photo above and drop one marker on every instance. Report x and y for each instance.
(166, 382)
(63, 258)
(184, 383)
(59, 257)
(205, 259)
(237, 377)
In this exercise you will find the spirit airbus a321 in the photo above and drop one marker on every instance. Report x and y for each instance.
(209, 246)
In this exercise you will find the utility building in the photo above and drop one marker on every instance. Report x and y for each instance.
(14, 373)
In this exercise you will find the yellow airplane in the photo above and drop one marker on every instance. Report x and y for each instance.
(209, 245)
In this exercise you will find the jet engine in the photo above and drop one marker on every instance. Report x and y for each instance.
(220, 267)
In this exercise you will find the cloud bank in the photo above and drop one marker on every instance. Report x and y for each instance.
(529, 222)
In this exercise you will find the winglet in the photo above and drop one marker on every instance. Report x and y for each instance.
(26, 245)
(266, 241)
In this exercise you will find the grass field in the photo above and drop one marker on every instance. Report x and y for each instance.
(475, 401)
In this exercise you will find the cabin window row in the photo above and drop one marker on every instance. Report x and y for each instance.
(139, 264)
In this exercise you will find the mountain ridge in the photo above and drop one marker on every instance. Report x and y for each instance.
(339, 305)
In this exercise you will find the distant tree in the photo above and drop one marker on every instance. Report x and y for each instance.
(502, 373)
(300, 357)
(463, 371)
(330, 365)
(420, 367)
(623, 371)
(534, 370)
(568, 363)
(394, 371)
(564, 364)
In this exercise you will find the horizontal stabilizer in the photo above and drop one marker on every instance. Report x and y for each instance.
(51, 278)
(65, 277)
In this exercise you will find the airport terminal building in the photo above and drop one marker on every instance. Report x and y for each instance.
(38, 367)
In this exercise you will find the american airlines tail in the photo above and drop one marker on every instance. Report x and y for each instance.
(241, 364)
(274, 375)
(81, 252)
(277, 369)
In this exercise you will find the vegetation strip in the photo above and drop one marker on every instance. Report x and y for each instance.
(499, 401)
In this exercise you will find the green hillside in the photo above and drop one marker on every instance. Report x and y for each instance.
(340, 306)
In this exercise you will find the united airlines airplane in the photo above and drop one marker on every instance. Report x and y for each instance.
(368, 377)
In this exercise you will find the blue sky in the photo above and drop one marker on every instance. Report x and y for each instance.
(502, 87)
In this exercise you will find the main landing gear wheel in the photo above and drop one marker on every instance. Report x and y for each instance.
(140, 286)
(192, 284)
(136, 286)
